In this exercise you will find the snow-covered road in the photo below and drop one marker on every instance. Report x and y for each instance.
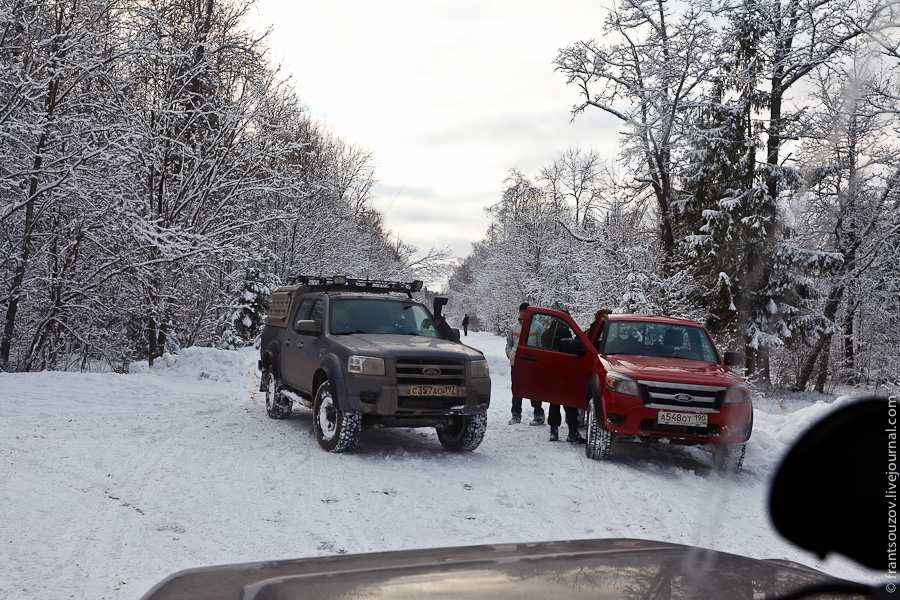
(110, 482)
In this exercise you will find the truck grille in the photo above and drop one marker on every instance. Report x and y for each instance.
(681, 395)
(437, 371)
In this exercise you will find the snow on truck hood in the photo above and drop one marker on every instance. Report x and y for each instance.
(390, 344)
(676, 370)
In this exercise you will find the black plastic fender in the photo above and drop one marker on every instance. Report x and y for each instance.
(332, 369)
(269, 358)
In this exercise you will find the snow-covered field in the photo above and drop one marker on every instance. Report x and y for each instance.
(110, 482)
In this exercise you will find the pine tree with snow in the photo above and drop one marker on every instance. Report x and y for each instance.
(247, 317)
(753, 283)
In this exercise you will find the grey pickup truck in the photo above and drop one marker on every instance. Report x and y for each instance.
(365, 354)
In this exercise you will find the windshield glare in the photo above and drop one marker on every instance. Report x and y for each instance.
(381, 317)
(658, 339)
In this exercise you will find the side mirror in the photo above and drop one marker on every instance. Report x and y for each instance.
(449, 333)
(571, 346)
(836, 489)
(307, 328)
(438, 305)
(732, 359)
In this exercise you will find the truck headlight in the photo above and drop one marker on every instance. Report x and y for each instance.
(737, 394)
(622, 384)
(365, 365)
(480, 368)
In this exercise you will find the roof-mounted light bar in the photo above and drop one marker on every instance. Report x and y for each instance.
(364, 285)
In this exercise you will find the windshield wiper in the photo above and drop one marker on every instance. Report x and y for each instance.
(348, 332)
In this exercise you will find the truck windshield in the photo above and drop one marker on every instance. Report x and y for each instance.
(349, 316)
(645, 338)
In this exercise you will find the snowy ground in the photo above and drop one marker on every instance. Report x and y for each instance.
(110, 482)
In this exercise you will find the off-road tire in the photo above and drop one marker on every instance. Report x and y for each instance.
(336, 430)
(728, 458)
(277, 405)
(599, 439)
(464, 434)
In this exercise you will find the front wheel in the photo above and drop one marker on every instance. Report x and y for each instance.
(599, 439)
(728, 458)
(463, 434)
(277, 406)
(336, 430)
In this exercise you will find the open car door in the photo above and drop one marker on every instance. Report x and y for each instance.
(553, 359)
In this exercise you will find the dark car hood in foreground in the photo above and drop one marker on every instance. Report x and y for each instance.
(573, 570)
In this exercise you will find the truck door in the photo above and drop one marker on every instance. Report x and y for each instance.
(546, 367)
(300, 355)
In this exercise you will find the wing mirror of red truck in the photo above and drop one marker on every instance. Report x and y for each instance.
(571, 346)
(732, 359)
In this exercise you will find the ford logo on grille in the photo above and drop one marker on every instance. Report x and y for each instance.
(684, 397)
(431, 371)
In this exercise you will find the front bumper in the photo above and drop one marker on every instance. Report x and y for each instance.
(628, 415)
(375, 395)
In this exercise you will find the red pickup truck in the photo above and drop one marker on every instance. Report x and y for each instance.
(637, 376)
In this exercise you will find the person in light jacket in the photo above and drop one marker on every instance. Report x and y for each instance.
(512, 341)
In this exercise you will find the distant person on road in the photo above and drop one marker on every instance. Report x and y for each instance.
(465, 324)
(512, 341)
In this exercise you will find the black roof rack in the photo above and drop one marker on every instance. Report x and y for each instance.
(360, 285)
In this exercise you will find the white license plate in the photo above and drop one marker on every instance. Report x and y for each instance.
(432, 390)
(668, 417)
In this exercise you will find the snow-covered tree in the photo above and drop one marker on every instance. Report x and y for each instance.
(767, 50)
(59, 144)
(149, 159)
(533, 252)
(647, 71)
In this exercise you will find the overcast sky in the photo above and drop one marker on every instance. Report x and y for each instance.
(448, 95)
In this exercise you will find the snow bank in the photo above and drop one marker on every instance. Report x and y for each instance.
(775, 433)
(210, 364)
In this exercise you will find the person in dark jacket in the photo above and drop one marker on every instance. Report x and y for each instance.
(591, 331)
(556, 331)
(465, 324)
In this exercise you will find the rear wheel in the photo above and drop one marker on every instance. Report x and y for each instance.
(336, 430)
(728, 458)
(599, 439)
(277, 406)
(464, 433)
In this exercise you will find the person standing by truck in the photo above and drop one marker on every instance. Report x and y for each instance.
(512, 341)
(465, 324)
(592, 329)
(554, 332)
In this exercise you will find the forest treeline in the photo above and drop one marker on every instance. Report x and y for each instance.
(158, 176)
(755, 188)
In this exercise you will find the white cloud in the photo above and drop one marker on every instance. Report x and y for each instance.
(447, 95)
